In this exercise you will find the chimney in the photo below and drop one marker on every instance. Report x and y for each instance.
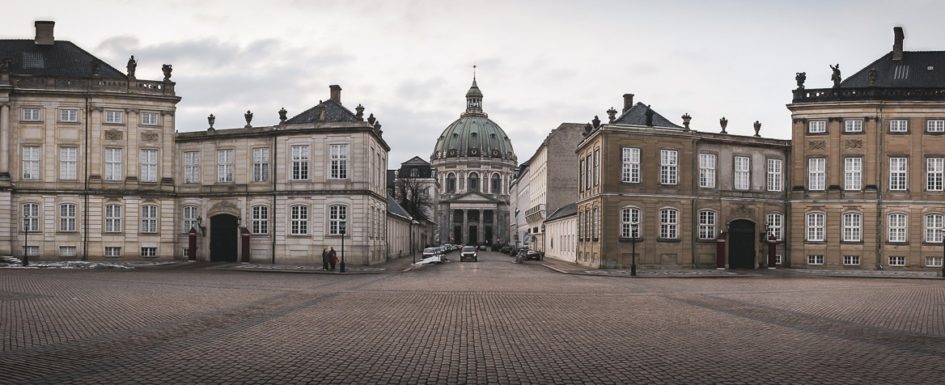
(44, 32)
(627, 102)
(898, 36)
(335, 93)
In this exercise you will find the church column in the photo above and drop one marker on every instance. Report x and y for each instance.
(480, 231)
(465, 229)
(5, 139)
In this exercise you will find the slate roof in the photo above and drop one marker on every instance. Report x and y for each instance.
(416, 160)
(396, 209)
(334, 112)
(913, 71)
(564, 211)
(636, 115)
(61, 59)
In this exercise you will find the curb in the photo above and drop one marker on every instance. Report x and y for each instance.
(306, 271)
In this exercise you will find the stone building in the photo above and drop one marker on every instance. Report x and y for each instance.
(673, 190)
(474, 161)
(518, 198)
(403, 231)
(866, 188)
(561, 233)
(414, 186)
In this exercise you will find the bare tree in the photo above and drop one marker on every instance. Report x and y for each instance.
(414, 196)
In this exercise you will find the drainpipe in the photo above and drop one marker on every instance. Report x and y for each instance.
(880, 238)
(272, 211)
(85, 191)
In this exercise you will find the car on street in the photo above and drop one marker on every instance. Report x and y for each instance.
(470, 253)
(432, 252)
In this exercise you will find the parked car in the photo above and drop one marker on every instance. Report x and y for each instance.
(431, 252)
(469, 252)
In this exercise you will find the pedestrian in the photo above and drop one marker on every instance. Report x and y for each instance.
(325, 259)
(332, 258)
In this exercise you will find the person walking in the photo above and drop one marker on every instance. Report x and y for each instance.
(332, 258)
(325, 259)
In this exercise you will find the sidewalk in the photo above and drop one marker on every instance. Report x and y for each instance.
(393, 266)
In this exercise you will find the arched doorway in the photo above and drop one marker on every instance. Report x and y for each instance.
(741, 244)
(224, 235)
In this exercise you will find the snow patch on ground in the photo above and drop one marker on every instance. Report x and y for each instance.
(428, 260)
(254, 266)
(16, 263)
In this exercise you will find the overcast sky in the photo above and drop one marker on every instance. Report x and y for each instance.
(540, 62)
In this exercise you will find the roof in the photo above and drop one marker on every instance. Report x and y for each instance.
(416, 161)
(636, 115)
(334, 112)
(473, 136)
(61, 59)
(396, 209)
(917, 69)
(565, 211)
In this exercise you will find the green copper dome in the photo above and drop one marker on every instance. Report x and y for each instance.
(473, 134)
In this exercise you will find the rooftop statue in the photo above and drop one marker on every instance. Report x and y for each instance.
(835, 77)
(801, 77)
(132, 66)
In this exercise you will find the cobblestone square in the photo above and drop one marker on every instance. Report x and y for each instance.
(487, 322)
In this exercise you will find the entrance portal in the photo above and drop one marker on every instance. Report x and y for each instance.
(473, 235)
(741, 244)
(223, 238)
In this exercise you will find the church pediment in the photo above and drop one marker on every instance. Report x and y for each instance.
(473, 197)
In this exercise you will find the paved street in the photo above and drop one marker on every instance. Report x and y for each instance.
(486, 322)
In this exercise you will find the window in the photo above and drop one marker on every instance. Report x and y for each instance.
(816, 174)
(630, 172)
(224, 166)
(31, 114)
(67, 251)
(815, 259)
(191, 167)
(934, 169)
(190, 218)
(742, 172)
(339, 161)
(852, 227)
(668, 167)
(587, 172)
(853, 125)
(669, 221)
(897, 261)
(596, 224)
(67, 217)
(707, 170)
(815, 227)
(897, 227)
(933, 228)
(496, 184)
(473, 183)
(897, 174)
(260, 220)
(414, 172)
(898, 125)
(300, 157)
(113, 158)
(817, 126)
(149, 118)
(112, 218)
(298, 220)
(451, 183)
(31, 217)
(260, 164)
(706, 224)
(935, 125)
(31, 156)
(597, 167)
(69, 115)
(775, 182)
(852, 174)
(32, 251)
(149, 219)
(630, 222)
(933, 261)
(114, 117)
(67, 162)
(851, 260)
(779, 259)
(149, 251)
(337, 219)
(149, 164)
(775, 223)
(113, 252)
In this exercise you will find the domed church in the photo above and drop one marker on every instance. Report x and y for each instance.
(474, 164)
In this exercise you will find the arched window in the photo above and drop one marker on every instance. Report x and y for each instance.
(852, 226)
(190, 218)
(496, 184)
(31, 217)
(815, 226)
(337, 219)
(473, 184)
(934, 228)
(669, 223)
(630, 222)
(451, 183)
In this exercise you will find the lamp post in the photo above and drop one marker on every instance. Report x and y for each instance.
(343, 248)
(633, 249)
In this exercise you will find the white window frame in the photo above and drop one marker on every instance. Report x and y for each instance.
(934, 227)
(69, 115)
(338, 164)
(816, 174)
(596, 167)
(775, 223)
(298, 219)
(189, 215)
(933, 261)
(853, 173)
(898, 173)
(897, 227)
(815, 260)
(30, 217)
(934, 174)
(68, 162)
(816, 126)
(851, 260)
(148, 251)
(669, 223)
(67, 251)
(114, 158)
(114, 117)
(260, 164)
(775, 175)
(31, 114)
(301, 156)
(935, 125)
(707, 165)
(112, 252)
(630, 171)
(149, 219)
(707, 223)
(225, 166)
(32, 162)
(899, 125)
(113, 218)
(630, 222)
(897, 260)
(150, 119)
(815, 221)
(742, 175)
(260, 225)
(191, 167)
(852, 226)
(67, 217)
(853, 125)
(337, 219)
(149, 164)
(669, 167)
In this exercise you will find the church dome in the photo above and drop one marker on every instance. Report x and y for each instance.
(474, 134)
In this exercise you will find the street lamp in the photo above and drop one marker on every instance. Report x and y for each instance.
(343, 248)
(633, 249)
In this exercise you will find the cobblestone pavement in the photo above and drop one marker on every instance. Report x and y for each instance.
(486, 322)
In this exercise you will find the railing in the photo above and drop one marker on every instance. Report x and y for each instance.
(149, 87)
(867, 93)
(535, 213)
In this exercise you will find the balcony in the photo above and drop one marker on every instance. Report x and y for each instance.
(535, 213)
(867, 93)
